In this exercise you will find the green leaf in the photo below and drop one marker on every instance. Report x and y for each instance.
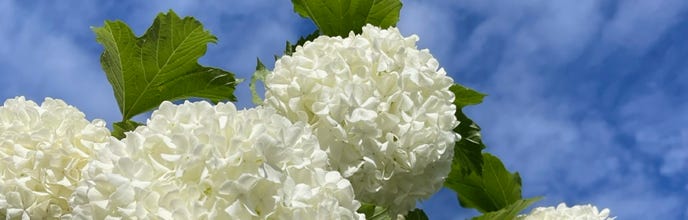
(416, 214)
(509, 212)
(160, 65)
(373, 212)
(465, 96)
(291, 48)
(123, 126)
(467, 151)
(495, 189)
(260, 74)
(339, 17)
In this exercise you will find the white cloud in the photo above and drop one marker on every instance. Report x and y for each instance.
(434, 25)
(637, 25)
(45, 60)
(565, 144)
(661, 137)
(635, 197)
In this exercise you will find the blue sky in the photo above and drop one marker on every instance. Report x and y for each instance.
(587, 98)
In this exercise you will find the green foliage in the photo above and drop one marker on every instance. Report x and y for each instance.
(160, 65)
(495, 189)
(260, 74)
(480, 179)
(120, 127)
(467, 151)
(339, 17)
(509, 212)
(465, 96)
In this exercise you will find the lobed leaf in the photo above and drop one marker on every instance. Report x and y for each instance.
(160, 65)
(339, 17)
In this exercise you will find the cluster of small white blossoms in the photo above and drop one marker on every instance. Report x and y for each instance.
(42, 152)
(380, 107)
(202, 161)
(562, 212)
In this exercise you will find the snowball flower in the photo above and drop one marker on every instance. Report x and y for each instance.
(42, 151)
(381, 108)
(562, 212)
(199, 161)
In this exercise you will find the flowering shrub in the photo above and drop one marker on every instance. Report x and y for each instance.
(199, 161)
(357, 122)
(562, 212)
(380, 107)
(42, 151)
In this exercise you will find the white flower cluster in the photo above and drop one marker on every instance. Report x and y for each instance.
(380, 107)
(42, 151)
(562, 212)
(202, 161)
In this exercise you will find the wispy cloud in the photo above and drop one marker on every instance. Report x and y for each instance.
(637, 25)
(41, 56)
(563, 107)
